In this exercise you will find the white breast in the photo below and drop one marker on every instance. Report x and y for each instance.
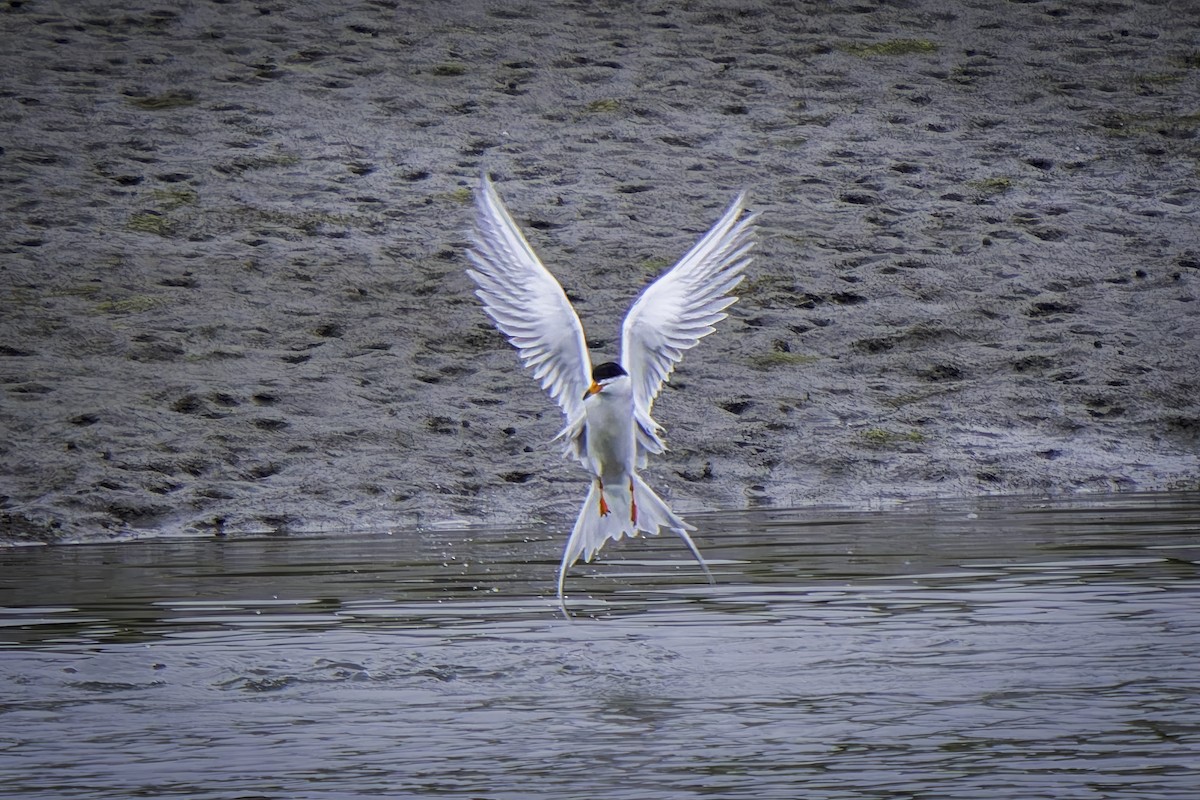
(610, 432)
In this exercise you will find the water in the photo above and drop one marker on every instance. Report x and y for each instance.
(973, 650)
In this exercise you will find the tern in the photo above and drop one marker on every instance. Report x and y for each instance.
(608, 427)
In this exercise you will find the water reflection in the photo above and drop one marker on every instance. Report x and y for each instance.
(954, 650)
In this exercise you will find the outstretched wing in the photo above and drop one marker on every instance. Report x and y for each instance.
(680, 308)
(527, 304)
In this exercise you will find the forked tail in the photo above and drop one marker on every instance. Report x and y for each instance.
(643, 511)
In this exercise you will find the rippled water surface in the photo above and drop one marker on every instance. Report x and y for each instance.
(977, 650)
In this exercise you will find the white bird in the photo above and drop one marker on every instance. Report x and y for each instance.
(609, 429)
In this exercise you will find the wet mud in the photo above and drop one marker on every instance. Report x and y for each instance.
(232, 282)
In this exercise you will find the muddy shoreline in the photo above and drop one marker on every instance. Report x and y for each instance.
(232, 277)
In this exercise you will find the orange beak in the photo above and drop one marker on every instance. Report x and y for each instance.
(595, 387)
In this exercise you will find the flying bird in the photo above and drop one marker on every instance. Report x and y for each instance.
(608, 428)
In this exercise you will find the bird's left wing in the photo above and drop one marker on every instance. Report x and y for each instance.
(527, 304)
(681, 307)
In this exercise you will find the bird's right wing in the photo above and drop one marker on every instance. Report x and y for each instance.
(527, 304)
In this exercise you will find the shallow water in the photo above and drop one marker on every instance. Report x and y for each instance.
(968, 650)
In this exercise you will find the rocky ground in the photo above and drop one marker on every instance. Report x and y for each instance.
(232, 281)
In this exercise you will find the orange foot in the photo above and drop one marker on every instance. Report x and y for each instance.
(603, 505)
(632, 505)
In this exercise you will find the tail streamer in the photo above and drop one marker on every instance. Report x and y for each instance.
(592, 529)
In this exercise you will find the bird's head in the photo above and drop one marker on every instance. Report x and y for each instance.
(604, 375)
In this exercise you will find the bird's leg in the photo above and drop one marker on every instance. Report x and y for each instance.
(632, 505)
(603, 505)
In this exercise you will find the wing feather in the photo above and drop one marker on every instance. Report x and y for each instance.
(527, 304)
(680, 308)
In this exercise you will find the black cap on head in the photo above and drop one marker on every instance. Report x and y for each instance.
(607, 370)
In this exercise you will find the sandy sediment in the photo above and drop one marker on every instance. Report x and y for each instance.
(232, 284)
